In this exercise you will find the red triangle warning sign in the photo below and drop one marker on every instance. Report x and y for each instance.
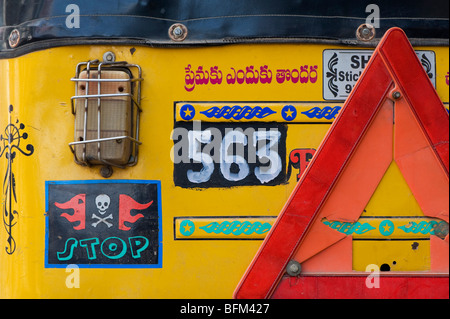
(328, 239)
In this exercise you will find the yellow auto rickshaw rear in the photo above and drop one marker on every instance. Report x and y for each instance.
(147, 149)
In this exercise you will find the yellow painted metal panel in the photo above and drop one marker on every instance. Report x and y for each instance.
(396, 231)
(393, 197)
(401, 255)
(37, 86)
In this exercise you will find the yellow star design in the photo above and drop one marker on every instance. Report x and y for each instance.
(187, 112)
(387, 228)
(187, 228)
(288, 112)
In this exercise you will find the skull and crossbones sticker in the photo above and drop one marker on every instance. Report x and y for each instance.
(102, 202)
(98, 223)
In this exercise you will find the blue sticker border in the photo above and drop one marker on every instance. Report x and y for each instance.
(94, 266)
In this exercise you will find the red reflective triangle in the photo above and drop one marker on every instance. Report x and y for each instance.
(394, 67)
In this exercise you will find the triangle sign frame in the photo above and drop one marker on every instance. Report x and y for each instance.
(394, 74)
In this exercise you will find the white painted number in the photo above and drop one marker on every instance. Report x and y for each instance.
(197, 138)
(226, 160)
(266, 174)
(266, 152)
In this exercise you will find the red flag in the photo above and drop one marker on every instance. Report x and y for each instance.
(126, 204)
(78, 204)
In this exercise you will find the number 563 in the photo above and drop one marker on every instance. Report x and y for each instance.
(240, 156)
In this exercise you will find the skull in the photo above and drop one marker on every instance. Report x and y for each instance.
(102, 201)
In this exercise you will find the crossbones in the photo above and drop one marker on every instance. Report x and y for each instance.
(102, 220)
